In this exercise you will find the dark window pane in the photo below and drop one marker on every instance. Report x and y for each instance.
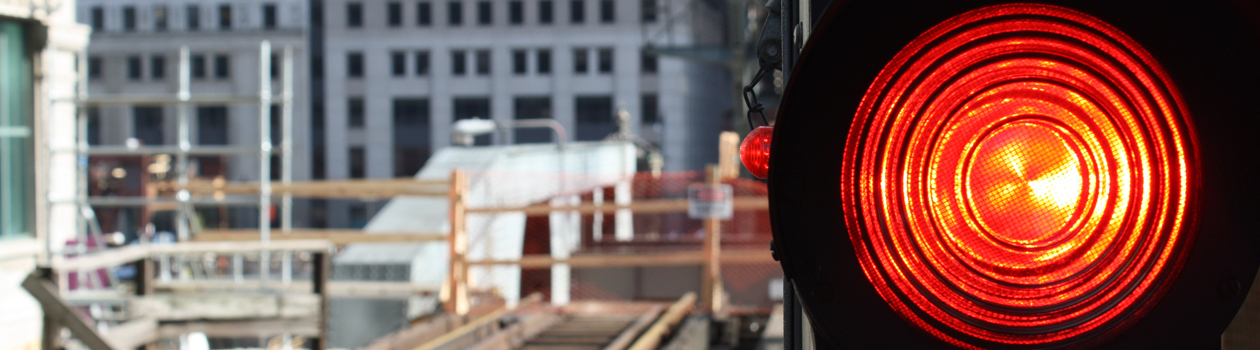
(394, 11)
(398, 63)
(459, 62)
(198, 66)
(317, 67)
(607, 13)
(354, 64)
(466, 108)
(98, 19)
(94, 67)
(317, 14)
(648, 8)
(222, 67)
(411, 135)
(577, 11)
(519, 64)
(605, 60)
(147, 124)
(194, 17)
(546, 9)
(594, 117)
(212, 125)
(358, 165)
(483, 62)
(157, 67)
(424, 14)
(422, 63)
(532, 108)
(318, 167)
(647, 62)
(159, 17)
(94, 125)
(358, 212)
(651, 109)
(516, 12)
(580, 61)
(454, 13)
(544, 61)
(485, 13)
(134, 68)
(225, 17)
(355, 112)
(269, 16)
(275, 66)
(129, 18)
(277, 134)
(354, 15)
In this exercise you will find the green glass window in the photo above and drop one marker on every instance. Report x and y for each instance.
(16, 176)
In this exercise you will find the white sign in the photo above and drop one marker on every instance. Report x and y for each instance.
(706, 201)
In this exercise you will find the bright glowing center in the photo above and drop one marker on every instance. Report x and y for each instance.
(1025, 183)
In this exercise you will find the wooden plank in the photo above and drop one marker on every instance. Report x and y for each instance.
(338, 237)
(652, 337)
(46, 293)
(529, 326)
(358, 289)
(101, 259)
(457, 246)
(242, 329)
(538, 261)
(223, 306)
(133, 334)
(640, 324)
(711, 278)
(306, 245)
(366, 188)
(639, 206)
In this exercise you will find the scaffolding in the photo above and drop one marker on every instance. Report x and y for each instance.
(183, 203)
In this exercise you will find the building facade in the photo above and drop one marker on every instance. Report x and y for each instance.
(401, 72)
(135, 51)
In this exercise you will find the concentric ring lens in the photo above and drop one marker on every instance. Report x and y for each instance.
(1021, 175)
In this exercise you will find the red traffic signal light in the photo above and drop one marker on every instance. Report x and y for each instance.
(1018, 175)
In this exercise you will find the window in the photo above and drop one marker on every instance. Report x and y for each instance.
(269, 16)
(544, 61)
(606, 60)
(317, 66)
(459, 62)
(411, 135)
(594, 117)
(424, 14)
(98, 19)
(354, 64)
(519, 64)
(94, 67)
(545, 11)
(17, 197)
(225, 17)
(358, 211)
(194, 17)
(516, 12)
(94, 125)
(129, 18)
(651, 109)
(358, 171)
(212, 125)
(454, 13)
(354, 15)
(157, 67)
(274, 67)
(159, 18)
(577, 11)
(355, 112)
(474, 107)
(134, 68)
(198, 66)
(422, 63)
(394, 11)
(532, 108)
(607, 13)
(317, 164)
(647, 62)
(398, 63)
(580, 61)
(648, 9)
(485, 13)
(483, 62)
(147, 124)
(222, 67)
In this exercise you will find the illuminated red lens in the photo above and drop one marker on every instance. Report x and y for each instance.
(754, 152)
(1021, 175)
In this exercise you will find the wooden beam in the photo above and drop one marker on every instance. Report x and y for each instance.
(512, 337)
(711, 278)
(623, 340)
(101, 259)
(338, 237)
(457, 244)
(357, 289)
(133, 334)
(46, 293)
(242, 328)
(223, 306)
(375, 189)
(652, 337)
(639, 206)
(131, 253)
(539, 261)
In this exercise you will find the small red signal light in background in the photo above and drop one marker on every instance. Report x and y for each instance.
(754, 152)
